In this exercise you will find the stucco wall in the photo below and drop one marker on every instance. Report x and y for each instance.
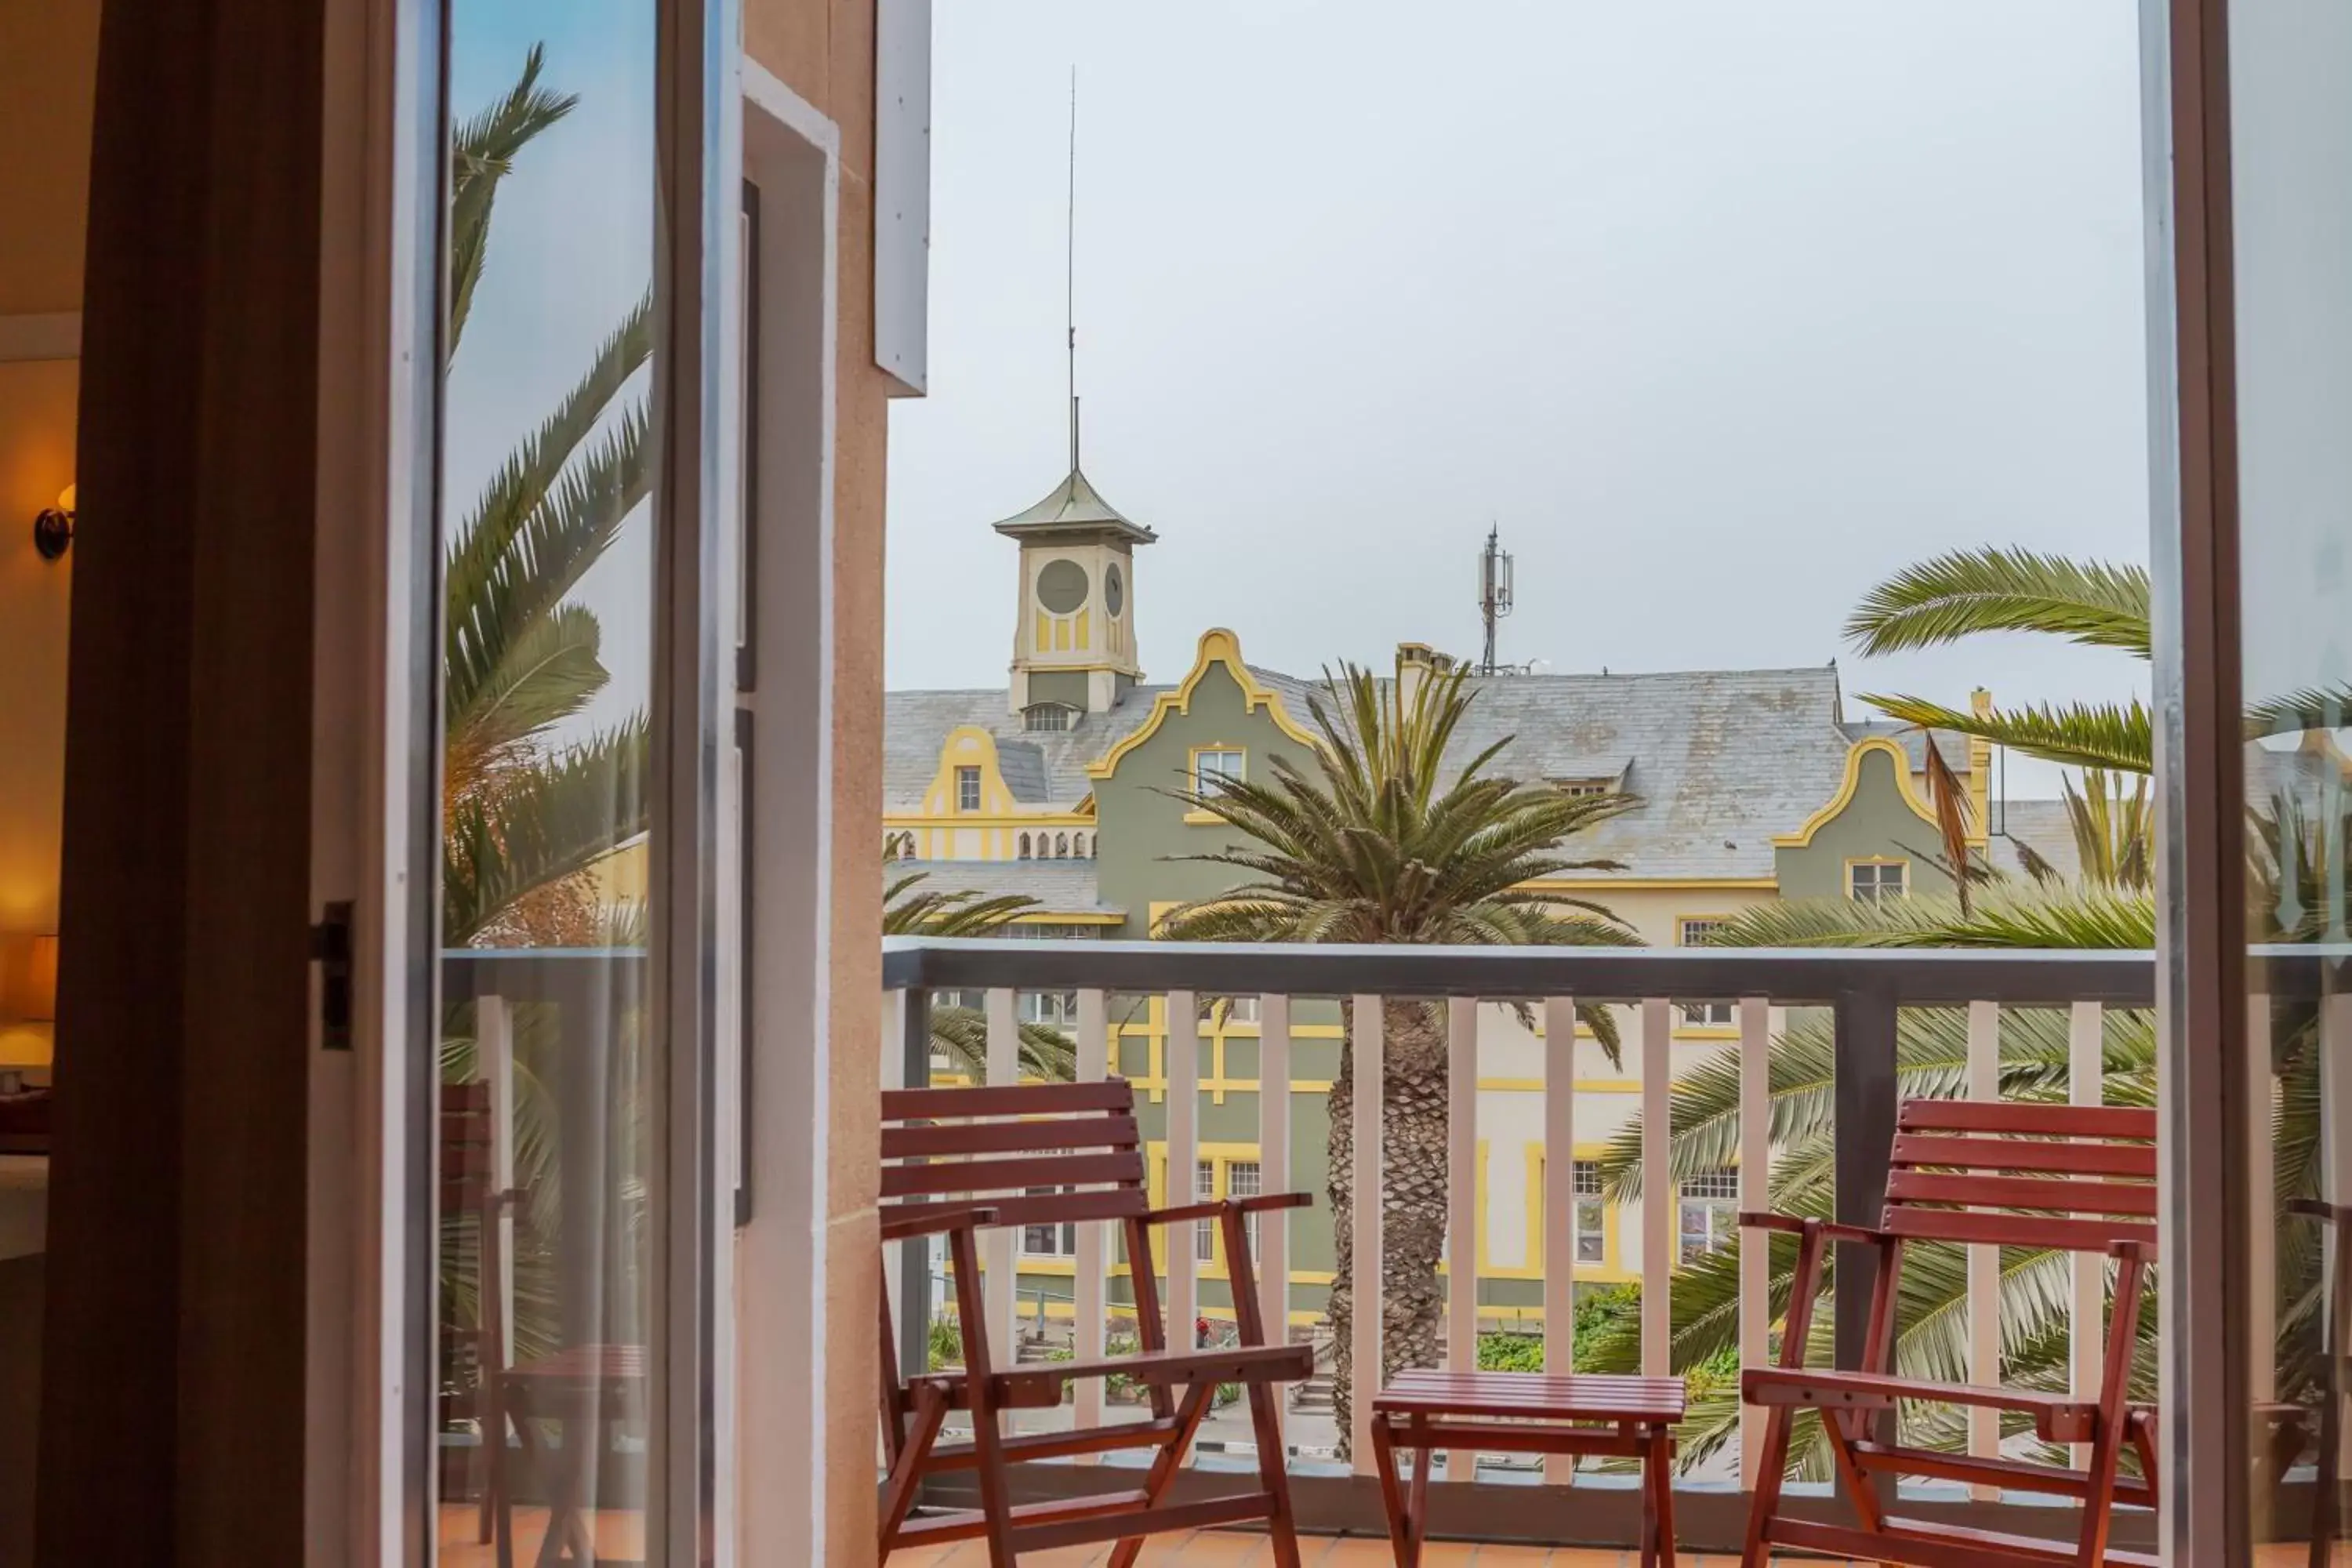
(1142, 829)
(1878, 819)
(824, 51)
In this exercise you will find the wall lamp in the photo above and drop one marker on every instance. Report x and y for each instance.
(53, 529)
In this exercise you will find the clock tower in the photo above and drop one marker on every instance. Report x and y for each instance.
(1074, 630)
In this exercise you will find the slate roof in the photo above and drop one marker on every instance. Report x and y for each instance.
(1722, 761)
(1062, 886)
(1040, 767)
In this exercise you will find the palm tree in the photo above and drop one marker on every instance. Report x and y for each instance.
(1377, 839)
(523, 817)
(961, 1032)
(2110, 905)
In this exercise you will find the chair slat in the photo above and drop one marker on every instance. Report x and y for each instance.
(1007, 1100)
(1047, 1208)
(2050, 1194)
(473, 1095)
(2027, 1119)
(1012, 1176)
(2015, 1230)
(2135, 1160)
(925, 1141)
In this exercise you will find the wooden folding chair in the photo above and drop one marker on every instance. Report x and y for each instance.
(2071, 1178)
(470, 1196)
(957, 1160)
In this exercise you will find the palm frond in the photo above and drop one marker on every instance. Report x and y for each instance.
(542, 824)
(2030, 915)
(1968, 591)
(482, 154)
(2090, 735)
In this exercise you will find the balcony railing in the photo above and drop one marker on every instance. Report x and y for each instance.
(1864, 990)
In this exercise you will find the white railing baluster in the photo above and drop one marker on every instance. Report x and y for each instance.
(1367, 1061)
(1984, 1260)
(1559, 1204)
(1754, 1197)
(1183, 1161)
(2086, 1069)
(2262, 1208)
(1658, 1258)
(1461, 1188)
(1274, 1168)
(1000, 1269)
(1089, 1286)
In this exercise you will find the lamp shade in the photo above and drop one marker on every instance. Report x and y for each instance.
(41, 981)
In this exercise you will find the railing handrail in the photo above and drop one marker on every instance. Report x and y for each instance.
(1785, 976)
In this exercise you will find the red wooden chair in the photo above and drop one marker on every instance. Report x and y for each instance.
(2075, 1178)
(470, 1198)
(957, 1160)
(2289, 1422)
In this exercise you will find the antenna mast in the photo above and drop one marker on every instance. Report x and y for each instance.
(1070, 269)
(1494, 593)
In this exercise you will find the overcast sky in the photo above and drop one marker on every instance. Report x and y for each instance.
(1723, 311)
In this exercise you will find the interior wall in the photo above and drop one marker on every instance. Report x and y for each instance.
(48, 72)
(48, 67)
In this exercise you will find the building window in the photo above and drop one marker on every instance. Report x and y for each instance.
(1709, 1213)
(1061, 847)
(1216, 769)
(1698, 933)
(1231, 1009)
(1876, 881)
(1078, 845)
(1056, 1007)
(1580, 789)
(1592, 1215)
(967, 789)
(1707, 1015)
(1243, 1179)
(1049, 1240)
(1047, 716)
(1025, 847)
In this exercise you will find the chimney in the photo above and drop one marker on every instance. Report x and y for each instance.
(1416, 662)
(1980, 769)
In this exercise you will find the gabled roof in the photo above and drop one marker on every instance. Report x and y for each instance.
(1074, 506)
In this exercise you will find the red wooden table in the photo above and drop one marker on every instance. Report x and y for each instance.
(586, 1390)
(1526, 1413)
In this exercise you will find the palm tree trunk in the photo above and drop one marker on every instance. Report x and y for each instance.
(1412, 1197)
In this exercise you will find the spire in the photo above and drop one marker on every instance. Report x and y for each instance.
(1070, 269)
(1074, 504)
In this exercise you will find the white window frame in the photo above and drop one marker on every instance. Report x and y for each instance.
(1201, 777)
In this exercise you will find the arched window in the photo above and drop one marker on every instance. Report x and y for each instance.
(1025, 847)
(1078, 845)
(1061, 847)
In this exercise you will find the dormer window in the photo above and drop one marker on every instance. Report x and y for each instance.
(1048, 716)
(1578, 789)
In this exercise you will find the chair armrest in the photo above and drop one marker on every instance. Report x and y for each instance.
(1797, 1224)
(1216, 1207)
(932, 1222)
(2320, 1210)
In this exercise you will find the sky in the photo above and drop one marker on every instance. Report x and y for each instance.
(1721, 312)
(571, 251)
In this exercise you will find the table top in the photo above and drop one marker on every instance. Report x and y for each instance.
(1534, 1395)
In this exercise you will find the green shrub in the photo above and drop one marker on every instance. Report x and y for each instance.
(1510, 1352)
(947, 1344)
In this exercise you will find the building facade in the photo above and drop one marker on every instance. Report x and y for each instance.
(1068, 786)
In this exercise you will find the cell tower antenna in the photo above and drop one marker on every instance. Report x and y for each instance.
(1494, 593)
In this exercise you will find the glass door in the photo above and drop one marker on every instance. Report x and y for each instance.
(572, 1145)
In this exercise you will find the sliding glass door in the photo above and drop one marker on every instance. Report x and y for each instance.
(572, 1163)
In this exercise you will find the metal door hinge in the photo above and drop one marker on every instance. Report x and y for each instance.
(331, 949)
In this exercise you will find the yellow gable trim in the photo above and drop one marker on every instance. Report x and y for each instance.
(1218, 647)
(968, 746)
(1851, 782)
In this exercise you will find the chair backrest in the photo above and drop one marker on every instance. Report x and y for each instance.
(2075, 1178)
(470, 1189)
(1038, 1154)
